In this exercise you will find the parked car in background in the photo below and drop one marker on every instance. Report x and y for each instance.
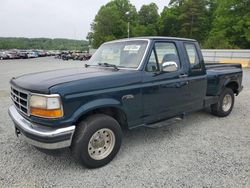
(87, 56)
(66, 55)
(32, 54)
(23, 54)
(13, 55)
(41, 53)
(3, 55)
(50, 53)
(82, 56)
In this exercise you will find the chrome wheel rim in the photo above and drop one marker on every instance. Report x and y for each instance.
(101, 144)
(227, 102)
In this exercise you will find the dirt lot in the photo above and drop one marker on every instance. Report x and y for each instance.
(201, 151)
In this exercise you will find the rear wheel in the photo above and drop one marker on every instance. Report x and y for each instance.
(97, 140)
(225, 104)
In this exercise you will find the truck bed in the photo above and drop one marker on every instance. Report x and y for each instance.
(219, 74)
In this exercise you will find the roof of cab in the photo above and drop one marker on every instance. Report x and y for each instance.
(154, 38)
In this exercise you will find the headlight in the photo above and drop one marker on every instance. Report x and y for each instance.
(48, 106)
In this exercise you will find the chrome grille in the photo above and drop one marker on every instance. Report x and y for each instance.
(20, 100)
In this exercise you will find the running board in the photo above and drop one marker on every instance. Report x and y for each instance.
(165, 122)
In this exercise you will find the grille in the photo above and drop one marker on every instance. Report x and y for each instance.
(20, 100)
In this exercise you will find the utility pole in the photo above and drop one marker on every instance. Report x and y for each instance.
(127, 14)
(128, 29)
(192, 23)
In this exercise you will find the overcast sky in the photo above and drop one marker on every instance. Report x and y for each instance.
(53, 18)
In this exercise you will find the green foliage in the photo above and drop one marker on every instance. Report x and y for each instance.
(190, 19)
(193, 19)
(42, 43)
(214, 23)
(169, 24)
(111, 22)
(231, 24)
(147, 21)
(148, 14)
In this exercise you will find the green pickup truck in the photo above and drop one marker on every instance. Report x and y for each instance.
(126, 84)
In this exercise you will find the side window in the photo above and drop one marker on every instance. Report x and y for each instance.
(167, 56)
(164, 57)
(193, 56)
(152, 65)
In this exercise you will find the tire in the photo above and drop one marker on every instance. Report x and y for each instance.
(97, 140)
(220, 109)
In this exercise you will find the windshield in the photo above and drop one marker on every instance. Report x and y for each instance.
(124, 54)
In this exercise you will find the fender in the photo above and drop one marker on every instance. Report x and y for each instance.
(99, 103)
(230, 80)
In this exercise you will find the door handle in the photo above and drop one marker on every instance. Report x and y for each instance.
(183, 76)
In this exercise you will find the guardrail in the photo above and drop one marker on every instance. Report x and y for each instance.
(215, 56)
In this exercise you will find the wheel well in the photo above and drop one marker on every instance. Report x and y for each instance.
(114, 112)
(234, 86)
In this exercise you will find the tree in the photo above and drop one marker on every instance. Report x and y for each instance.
(111, 22)
(187, 18)
(148, 14)
(194, 19)
(231, 25)
(214, 23)
(169, 24)
(42, 43)
(147, 21)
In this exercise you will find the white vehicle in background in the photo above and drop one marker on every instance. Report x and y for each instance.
(3, 55)
(32, 54)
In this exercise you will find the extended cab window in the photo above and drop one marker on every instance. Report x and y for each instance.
(193, 56)
(163, 52)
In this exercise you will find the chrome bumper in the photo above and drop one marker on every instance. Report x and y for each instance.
(41, 136)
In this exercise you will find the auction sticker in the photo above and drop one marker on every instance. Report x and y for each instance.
(132, 47)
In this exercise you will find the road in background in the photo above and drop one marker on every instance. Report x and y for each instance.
(201, 151)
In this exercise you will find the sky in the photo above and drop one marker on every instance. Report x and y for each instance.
(53, 18)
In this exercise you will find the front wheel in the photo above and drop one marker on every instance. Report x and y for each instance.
(97, 140)
(225, 104)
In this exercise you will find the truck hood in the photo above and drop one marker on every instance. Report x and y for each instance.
(42, 81)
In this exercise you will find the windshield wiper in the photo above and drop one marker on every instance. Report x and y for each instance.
(108, 65)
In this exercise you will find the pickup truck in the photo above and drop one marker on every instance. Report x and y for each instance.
(127, 83)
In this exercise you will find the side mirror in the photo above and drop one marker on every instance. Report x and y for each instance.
(169, 66)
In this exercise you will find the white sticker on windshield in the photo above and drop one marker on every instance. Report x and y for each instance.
(132, 47)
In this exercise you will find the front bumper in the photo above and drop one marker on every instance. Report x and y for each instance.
(41, 136)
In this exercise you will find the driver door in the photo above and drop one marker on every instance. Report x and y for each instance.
(164, 94)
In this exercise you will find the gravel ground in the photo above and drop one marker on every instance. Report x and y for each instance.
(201, 151)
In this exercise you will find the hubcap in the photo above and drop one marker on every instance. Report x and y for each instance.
(101, 144)
(227, 102)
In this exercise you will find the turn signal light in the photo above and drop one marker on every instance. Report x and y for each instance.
(55, 113)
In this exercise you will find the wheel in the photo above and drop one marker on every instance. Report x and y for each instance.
(1, 58)
(97, 140)
(225, 104)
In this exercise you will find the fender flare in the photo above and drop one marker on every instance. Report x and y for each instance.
(98, 103)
